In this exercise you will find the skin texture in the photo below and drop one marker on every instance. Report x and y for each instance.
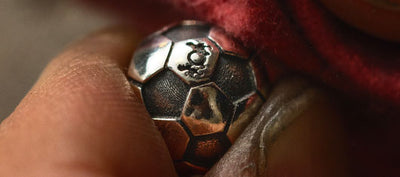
(81, 118)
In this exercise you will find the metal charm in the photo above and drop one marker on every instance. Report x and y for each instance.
(201, 89)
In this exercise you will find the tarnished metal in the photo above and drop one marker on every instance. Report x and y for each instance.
(201, 89)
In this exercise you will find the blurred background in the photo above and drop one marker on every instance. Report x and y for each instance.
(32, 33)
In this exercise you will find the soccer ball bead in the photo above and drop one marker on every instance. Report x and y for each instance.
(200, 88)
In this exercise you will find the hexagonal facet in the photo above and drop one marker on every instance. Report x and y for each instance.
(206, 110)
(149, 58)
(206, 150)
(227, 43)
(235, 77)
(193, 60)
(244, 113)
(164, 96)
(175, 137)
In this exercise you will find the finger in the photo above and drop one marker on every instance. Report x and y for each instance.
(297, 133)
(82, 118)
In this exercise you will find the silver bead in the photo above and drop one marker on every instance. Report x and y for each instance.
(200, 87)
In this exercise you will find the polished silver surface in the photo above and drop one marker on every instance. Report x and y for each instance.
(149, 58)
(198, 81)
(194, 59)
(207, 110)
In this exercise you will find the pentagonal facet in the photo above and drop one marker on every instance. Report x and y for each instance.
(235, 77)
(227, 43)
(207, 110)
(164, 96)
(175, 137)
(244, 113)
(149, 58)
(193, 60)
(206, 150)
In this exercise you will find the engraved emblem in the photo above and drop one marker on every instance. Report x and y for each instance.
(193, 60)
(196, 58)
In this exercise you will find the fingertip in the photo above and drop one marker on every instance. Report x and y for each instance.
(83, 115)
